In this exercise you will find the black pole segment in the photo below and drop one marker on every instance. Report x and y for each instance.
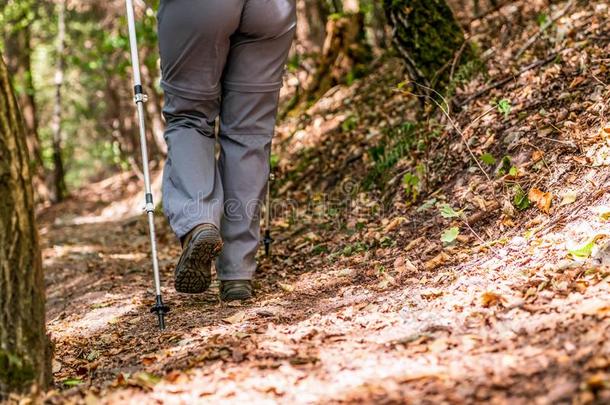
(138, 89)
(149, 198)
(267, 240)
(160, 309)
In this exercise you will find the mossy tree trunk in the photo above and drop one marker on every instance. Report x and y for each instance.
(24, 346)
(428, 38)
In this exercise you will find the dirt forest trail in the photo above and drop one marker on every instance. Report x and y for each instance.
(324, 333)
(361, 300)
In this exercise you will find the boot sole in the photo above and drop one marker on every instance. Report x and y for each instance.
(193, 273)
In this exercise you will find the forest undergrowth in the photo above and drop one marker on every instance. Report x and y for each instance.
(457, 253)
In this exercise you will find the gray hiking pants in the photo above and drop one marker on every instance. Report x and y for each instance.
(221, 57)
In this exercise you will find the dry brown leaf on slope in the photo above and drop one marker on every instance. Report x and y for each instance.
(286, 287)
(404, 265)
(395, 223)
(437, 261)
(577, 81)
(542, 200)
(537, 155)
(236, 317)
(490, 299)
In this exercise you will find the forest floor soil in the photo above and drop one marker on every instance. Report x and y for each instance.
(361, 301)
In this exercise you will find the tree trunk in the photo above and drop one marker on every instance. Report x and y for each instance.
(344, 55)
(154, 110)
(18, 55)
(311, 26)
(58, 163)
(428, 38)
(19, 63)
(24, 346)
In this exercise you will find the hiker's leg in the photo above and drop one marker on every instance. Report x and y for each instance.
(251, 84)
(194, 41)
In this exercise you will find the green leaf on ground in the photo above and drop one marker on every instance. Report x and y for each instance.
(410, 180)
(447, 211)
(488, 159)
(274, 160)
(504, 107)
(72, 382)
(505, 166)
(427, 205)
(584, 251)
(450, 234)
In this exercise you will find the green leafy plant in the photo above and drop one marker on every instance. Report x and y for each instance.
(520, 199)
(274, 160)
(505, 166)
(504, 107)
(349, 124)
(542, 20)
(488, 159)
(411, 185)
(357, 247)
(72, 382)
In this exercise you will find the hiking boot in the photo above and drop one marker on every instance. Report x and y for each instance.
(193, 272)
(236, 290)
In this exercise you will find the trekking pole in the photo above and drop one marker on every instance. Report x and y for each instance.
(267, 239)
(159, 308)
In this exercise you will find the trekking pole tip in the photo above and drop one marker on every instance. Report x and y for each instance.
(267, 240)
(160, 309)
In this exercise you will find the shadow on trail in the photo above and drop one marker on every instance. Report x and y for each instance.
(99, 288)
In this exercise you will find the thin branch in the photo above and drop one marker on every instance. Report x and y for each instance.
(452, 122)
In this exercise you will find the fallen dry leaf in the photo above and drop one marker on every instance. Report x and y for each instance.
(577, 80)
(395, 223)
(436, 261)
(568, 198)
(236, 317)
(542, 200)
(286, 287)
(537, 155)
(414, 243)
(490, 299)
(404, 265)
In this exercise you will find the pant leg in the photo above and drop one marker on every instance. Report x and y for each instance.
(251, 84)
(194, 41)
(192, 187)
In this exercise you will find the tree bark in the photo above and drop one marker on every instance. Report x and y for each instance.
(24, 346)
(344, 55)
(18, 55)
(18, 51)
(428, 38)
(311, 26)
(58, 163)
